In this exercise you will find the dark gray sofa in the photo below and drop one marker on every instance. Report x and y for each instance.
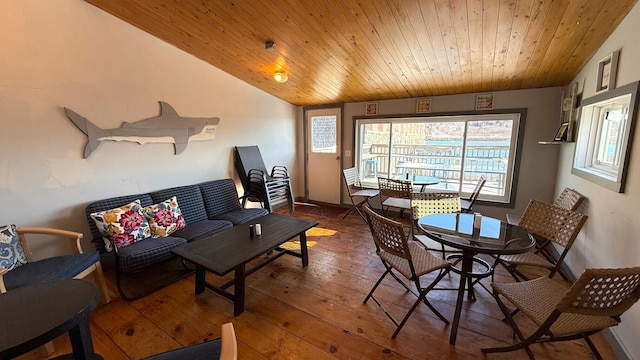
(207, 208)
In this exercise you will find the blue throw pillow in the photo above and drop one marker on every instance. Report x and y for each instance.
(11, 251)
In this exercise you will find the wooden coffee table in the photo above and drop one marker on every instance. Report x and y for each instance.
(233, 248)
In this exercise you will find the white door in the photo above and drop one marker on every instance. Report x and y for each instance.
(323, 155)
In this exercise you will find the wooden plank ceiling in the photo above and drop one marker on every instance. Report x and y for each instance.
(339, 51)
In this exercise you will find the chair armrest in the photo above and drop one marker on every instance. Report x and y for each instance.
(3, 271)
(73, 236)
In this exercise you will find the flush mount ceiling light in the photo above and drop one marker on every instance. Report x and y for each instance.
(269, 45)
(280, 76)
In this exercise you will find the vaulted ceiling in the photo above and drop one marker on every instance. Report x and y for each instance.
(338, 51)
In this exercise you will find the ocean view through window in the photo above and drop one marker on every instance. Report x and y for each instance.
(456, 149)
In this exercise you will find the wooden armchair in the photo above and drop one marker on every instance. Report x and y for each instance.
(74, 266)
(223, 348)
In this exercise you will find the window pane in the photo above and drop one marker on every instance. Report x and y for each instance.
(487, 153)
(374, 152)
(609, 140)
(456, 150)
(323, 134)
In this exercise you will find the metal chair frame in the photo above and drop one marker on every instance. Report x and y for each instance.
(397, 253)
(355, 190)
(550, 225)
(467, 204)
(395, 193)
(594, 302)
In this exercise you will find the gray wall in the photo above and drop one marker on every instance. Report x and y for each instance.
(610, 237)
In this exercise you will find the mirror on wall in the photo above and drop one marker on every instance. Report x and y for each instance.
(605, 131)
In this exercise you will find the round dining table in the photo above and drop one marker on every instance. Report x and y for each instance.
(33, 315)
(488, 236)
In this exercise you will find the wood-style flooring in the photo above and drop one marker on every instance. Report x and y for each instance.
(315, 312)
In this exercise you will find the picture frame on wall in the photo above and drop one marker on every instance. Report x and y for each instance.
(484, 102)
(561, 134)
(423, 105)
(371, 108)
(607, 71)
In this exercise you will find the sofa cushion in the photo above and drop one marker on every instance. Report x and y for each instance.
(164, 218)
(202, 229)
(146, 252)
(220, 196)
(11, 252)
(106, 204)
(189, 198)
(50, 269)
(243, 215)
(122, 226)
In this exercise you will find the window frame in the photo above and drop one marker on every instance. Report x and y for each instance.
(589, 136)
(508, 200)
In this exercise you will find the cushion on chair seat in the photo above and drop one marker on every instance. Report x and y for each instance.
(149, 251)
(243, 215)
(50, 269)
(202, 229)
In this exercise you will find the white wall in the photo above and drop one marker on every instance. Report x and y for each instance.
(610, 237)
(539, 162)
(68, 53)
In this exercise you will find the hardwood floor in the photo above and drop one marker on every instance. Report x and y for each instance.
(315, 312)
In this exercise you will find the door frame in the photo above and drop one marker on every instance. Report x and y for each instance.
(305, 142)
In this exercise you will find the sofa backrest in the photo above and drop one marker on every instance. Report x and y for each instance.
(220, 196)
(108, 204)
(189, 199)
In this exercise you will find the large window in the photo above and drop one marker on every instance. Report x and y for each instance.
(456, 150)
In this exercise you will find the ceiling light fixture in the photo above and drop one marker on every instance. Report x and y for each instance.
(281, 76)
(269, 45)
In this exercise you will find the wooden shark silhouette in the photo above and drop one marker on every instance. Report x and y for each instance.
(169, 127)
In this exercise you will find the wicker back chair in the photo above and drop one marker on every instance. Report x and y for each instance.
(426, 203)
(578, 312)
(550, 224)
(467, 204)
(355, 190)
(568, 199)
(410, 259)
(395, 193)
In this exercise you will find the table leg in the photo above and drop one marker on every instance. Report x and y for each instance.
(238, 291)
(200, 279)
(80, 336)
(466, 263)
(303, 249)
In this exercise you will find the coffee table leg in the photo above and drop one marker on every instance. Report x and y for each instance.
(200, 279)
(80, 337)
(303, 248)
(238, 291)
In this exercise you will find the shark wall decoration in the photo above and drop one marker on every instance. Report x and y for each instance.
(169, 127)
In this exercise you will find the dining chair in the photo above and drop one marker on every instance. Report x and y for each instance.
(427, 203)
(594, 302)
(395, 193)
(552, 225)
(355, 190)
(568, 199)
(223, 348)
(467, 204)
(408, 258)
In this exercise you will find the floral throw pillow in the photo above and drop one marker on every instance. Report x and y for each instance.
(123, 226)
(164, 218)
(11, 251)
